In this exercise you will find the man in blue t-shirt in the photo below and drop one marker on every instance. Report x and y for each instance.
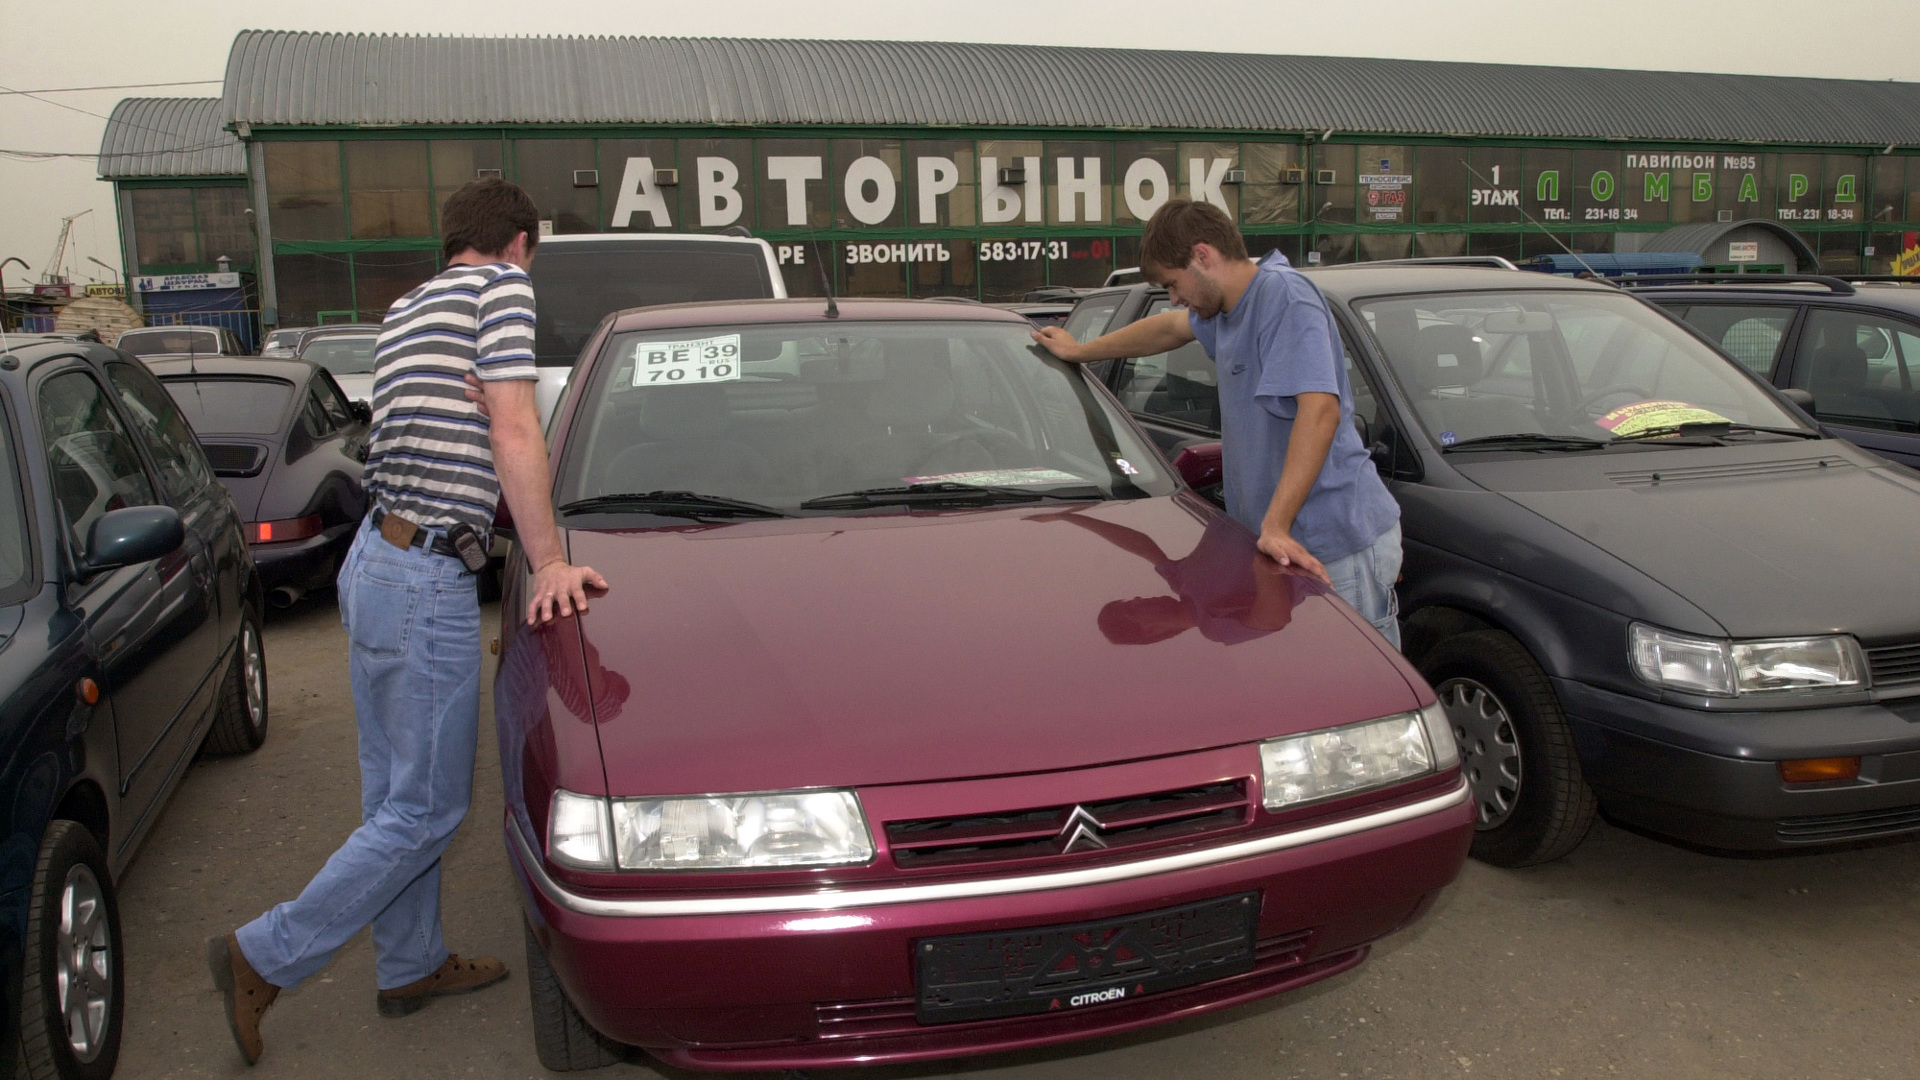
(1296, 472)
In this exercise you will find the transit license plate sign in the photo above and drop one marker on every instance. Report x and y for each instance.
(679, 363)
(1067, 968)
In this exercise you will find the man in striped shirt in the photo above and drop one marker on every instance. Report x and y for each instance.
(454, 428)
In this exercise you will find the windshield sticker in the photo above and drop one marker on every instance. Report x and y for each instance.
(1000, 478)
(1448, 438)
(1648, 415)
(681, 363)
(1125, 466)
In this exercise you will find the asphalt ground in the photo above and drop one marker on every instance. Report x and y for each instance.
(1630, 957)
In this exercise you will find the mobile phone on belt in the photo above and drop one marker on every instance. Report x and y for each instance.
(466, 542)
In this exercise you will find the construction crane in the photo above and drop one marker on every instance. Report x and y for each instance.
(50, 270)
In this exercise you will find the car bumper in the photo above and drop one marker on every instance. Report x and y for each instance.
(303, 564)
(759, 982)
(1714, 778)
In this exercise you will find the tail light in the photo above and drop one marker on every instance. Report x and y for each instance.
(275, 532)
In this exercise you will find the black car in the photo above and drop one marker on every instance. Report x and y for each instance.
(1637, 576)
(1853, 346)
(286, 441)
(129, 639)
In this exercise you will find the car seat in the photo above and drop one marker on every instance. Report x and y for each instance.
(912, 416)
(1447, 363)
(1838, 383)
(685, 444)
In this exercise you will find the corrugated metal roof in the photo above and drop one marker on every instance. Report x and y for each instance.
(1700, 236)
(292, 78)
(148, 137)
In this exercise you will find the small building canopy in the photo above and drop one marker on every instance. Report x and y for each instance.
(150, 138)
(1772, 244)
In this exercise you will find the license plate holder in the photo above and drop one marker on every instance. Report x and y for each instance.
(1074, 966)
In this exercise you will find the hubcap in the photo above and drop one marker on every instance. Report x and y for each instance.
(253, 675)
(83, 973)
(1489, 748)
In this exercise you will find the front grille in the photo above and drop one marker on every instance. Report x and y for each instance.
(895, 1016)
(233, 459)
(1860, 826)
(1744, 470)
(1895, 665)
(1061, 830)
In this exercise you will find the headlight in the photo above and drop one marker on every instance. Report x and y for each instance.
(725, 832)
(1343, 760)
(1724, 669)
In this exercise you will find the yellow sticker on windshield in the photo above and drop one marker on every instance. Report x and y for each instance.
(1648, 415)
(679, 363)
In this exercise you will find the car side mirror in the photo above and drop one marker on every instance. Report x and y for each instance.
(361, 410)
(1380, 452)
(1199, 464)
(1802, 398)
(132, 535)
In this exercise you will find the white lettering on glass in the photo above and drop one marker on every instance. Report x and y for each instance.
(1085, 188)
(720, 202)
(938, 176)
(1148, 174)
(638, 195)
(1036, 207)
(795, 171)
(864, 171)
(997, 203)
(1203, 180)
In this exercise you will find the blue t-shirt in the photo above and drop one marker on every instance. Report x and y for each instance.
(1278, 342)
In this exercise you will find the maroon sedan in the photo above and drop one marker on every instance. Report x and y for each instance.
(930, 713)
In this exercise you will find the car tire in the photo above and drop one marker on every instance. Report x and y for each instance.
(240, 717)
(1516, 749)
(73, 992)
(562, 1038)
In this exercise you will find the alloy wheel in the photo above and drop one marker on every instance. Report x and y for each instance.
(253, 676)
(1489, 748)
(83, 975)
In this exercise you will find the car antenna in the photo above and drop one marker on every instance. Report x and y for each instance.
(1595, 274)
(826, 279)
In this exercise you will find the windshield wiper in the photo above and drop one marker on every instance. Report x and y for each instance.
(1711, 429)
(672, 503)
(946, 491)
(1532, 441)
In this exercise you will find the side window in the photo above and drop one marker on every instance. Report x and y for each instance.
(332, 400)
(1181, 385)
(94, 465)
(1089, 320)
(313, 416)
(183, 465)
(1750, 335)
(1860, 369)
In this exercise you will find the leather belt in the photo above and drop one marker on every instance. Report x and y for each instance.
(438, 544)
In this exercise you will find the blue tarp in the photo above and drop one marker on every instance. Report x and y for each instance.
(1611, 265)
(193, 300)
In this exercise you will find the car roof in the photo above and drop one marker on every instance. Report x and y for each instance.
(1877, 294)
(1352, 281)
(276, 367)
(648, 238)
(761, 312)
(342, 331)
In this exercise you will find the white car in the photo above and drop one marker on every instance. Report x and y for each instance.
(581, 278)
(348, 355)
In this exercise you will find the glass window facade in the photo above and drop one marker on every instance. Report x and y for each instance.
(982, 215)
(163, 227)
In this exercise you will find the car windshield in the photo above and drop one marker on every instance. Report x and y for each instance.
(578, 284)
(283, 339)
(13, 517)
(1585, 365)
(246, 405)
(784, 415)
(170, 340)
(343, 354)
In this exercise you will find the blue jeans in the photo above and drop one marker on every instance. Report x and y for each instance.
(413, 623)
(1365, 580)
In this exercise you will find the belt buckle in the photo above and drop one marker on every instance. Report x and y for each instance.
(397, 530)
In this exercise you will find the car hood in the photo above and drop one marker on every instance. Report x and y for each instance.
(1767, 540)
(912, 647)
(356, 387)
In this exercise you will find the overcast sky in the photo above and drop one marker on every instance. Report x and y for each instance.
(143, 41)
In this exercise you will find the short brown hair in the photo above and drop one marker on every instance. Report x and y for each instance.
(484, 216)
(1178, 225)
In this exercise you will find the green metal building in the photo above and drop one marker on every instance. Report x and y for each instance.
(931, 169)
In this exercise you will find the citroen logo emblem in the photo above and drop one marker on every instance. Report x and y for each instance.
(1082, 832)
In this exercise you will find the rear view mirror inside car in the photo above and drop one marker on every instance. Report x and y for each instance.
(1518, 322)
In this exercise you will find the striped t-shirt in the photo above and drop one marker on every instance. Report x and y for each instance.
(429, 459)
